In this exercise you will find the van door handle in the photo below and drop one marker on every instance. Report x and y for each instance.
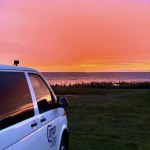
(34, 124)
(43, 119)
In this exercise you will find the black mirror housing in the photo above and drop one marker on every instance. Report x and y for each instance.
(62, 102)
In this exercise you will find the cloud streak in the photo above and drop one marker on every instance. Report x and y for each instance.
(93, 35)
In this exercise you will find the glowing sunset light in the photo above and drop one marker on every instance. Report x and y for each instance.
(76, 35)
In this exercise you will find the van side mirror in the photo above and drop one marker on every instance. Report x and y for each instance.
(62, 102)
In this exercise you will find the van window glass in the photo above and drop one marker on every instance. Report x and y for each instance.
(42, 93)
(15, 99)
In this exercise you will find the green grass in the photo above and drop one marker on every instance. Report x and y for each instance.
(61, 90)
(115, 120)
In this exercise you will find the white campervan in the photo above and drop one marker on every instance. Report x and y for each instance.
(31, 116)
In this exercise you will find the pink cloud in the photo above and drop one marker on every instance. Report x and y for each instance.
(72, 32)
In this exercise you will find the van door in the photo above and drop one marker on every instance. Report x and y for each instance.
(49, 117)
(17, 120)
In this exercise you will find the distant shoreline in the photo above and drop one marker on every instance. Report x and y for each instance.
(67, 78)
(97, 88)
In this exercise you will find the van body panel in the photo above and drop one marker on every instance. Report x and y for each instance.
(40, 138)
(13, 134)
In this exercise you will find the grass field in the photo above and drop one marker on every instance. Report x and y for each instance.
(111, 120)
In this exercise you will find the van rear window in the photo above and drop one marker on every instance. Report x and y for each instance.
(15, 99)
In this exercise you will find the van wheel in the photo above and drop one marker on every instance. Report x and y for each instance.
(64, 143)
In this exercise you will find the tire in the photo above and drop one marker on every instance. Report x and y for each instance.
(64, 143)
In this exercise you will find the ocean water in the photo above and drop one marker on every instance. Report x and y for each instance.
(79, 77)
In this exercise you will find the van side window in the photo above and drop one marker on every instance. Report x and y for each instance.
(42, 93)
(15, 99)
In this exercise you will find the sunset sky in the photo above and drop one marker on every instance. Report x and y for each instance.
(76, 35)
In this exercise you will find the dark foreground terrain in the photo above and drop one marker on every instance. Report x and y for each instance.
(112, 120)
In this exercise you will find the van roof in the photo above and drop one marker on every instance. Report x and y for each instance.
(7, 67)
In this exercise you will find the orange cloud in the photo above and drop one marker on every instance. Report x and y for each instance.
(69, 35)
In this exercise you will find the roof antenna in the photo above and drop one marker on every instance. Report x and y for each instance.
(16, 62)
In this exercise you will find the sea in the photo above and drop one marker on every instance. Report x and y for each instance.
(61, 78)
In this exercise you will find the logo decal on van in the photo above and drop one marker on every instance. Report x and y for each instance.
(51, 135)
